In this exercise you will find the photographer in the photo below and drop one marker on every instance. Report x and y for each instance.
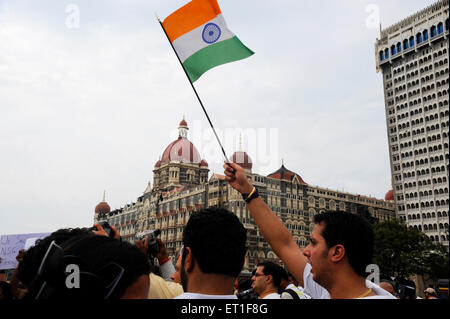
(161, 287)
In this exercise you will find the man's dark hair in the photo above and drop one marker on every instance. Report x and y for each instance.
(6, 291)
(32, 257)
(277, 272)
(98, 256)
(351, 231)
(217, 239)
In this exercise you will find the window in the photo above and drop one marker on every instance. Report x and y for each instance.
(425, 35)
(405, 44)
(433, 31)
(440, 28)
(411, 42)
(419, 38)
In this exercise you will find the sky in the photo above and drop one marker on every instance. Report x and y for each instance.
(91, 94)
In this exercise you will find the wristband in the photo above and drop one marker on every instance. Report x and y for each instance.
(162, 262)
(248, 197)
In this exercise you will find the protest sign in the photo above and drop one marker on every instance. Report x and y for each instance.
(11, 244)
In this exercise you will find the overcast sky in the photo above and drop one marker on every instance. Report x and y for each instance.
(91, 93)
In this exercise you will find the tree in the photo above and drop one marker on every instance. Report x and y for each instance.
(401, 252)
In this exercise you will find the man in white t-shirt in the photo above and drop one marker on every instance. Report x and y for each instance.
(333, 264)
(266, 280)
(213, 254)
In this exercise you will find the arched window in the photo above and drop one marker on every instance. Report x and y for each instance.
(440, 28)
(381, 55)
(386, 54)
(425, 35)
(447, 24)
(411, 42)
(433, 31)
(419, 38)
(405, 44)
(393, 50)
(399, 47)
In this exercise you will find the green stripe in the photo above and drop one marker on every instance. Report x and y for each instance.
(216, 54)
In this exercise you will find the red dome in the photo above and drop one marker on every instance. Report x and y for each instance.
(242, 159)
(389, 195)
(102, 207)
(181, 150)
(158, 164)
(284, 173)
(204, 163)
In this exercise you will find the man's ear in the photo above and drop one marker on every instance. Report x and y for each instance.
(189, 260)
(337, 253)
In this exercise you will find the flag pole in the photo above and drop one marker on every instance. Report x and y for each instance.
(195, 91)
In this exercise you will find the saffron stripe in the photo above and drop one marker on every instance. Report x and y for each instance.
(189, 17)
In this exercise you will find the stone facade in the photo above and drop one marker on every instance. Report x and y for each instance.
(171, 201)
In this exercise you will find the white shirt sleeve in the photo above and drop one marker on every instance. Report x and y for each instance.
(311, 287)
(167, 269)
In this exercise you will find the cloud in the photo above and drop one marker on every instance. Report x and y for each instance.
(92, 108)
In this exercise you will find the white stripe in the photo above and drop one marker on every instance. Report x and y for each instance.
(191, 42)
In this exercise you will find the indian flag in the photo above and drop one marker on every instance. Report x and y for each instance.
(201, 38)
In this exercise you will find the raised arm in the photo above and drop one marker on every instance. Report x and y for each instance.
(271, 227)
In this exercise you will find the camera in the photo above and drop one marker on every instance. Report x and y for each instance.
(248, 294)
(153, 246)
(107, 228)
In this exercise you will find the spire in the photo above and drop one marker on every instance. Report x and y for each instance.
(104, 195)
(240, 143)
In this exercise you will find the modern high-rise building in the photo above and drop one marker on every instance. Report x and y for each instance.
(182, 185)
(413, 57)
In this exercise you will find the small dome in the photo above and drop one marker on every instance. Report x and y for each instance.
(158, 164)
(204, 163)
(284, 173)
(102, 207)
(183, 123)
(242, 159)
(389, 195)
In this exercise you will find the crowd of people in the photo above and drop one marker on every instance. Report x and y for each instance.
(89, 263)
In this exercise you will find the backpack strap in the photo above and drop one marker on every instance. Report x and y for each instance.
(292, 293)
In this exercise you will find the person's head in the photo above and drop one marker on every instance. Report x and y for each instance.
(213, 243)
(244, 284)
(430, 292)
(340, 241)
(293, 280)
(388, 286)
(284, 280)
(102, 266)
(32, 257)
(267, 278)
(5, 291)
